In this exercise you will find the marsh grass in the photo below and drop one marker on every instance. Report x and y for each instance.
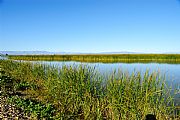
(79, 92)
(105, 58)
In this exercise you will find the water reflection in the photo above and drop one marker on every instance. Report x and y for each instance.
(171, 71)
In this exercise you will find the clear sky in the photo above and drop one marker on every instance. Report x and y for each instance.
(90, 25)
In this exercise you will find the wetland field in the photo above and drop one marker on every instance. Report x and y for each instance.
(105, 58)
(117, 87)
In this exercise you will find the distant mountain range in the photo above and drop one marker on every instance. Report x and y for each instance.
(63, 53)
(26, 52)
(57, 53)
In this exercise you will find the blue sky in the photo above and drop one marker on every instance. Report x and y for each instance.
(150, 26)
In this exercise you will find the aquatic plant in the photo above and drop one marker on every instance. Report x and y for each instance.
(80, 92)
(127, 58)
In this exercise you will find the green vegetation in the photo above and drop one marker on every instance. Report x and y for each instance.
(80, 92)
(10, 88)
(36, 109)
(128, 58)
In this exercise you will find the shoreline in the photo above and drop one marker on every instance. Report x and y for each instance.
(69, 86)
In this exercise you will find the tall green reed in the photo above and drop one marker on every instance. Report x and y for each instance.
(80, 92)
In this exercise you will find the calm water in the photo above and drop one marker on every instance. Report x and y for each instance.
(171, 71)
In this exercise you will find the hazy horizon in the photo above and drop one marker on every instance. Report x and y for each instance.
(110, 52)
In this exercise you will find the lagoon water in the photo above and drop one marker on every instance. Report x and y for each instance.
(171, 71)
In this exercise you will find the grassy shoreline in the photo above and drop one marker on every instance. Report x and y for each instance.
(105, 58)
(78, 92)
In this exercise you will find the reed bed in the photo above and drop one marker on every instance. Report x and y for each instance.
(127, 58)
(80, 92)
